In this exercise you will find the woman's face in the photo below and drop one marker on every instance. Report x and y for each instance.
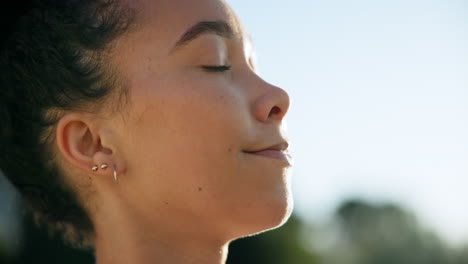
(198, 118)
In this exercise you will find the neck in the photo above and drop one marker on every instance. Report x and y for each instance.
(126, 238)
(122, 249)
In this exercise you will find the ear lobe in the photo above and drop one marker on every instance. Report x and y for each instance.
(79, 142)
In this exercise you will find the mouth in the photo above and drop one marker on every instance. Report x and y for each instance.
(276, 152)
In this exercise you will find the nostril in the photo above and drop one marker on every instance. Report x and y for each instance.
(271, 105)
(274, 111)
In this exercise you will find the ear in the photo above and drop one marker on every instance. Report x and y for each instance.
(80, 142)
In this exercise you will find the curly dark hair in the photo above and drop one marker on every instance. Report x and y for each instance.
(52, 57)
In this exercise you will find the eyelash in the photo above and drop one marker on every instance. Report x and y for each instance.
(220, 68)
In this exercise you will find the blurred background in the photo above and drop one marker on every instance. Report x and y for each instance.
(379, 131)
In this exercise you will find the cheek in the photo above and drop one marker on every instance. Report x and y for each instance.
(185, 149)
(187, 132)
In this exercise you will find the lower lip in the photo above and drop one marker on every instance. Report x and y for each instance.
(274, 154)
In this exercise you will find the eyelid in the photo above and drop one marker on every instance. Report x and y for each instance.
(216, 68)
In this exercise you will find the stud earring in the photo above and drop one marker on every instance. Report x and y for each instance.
(94, 168)
(104, 166)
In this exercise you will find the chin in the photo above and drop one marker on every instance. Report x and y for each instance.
(278, 216)
(261, 219)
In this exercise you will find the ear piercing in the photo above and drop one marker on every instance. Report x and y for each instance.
(96, 167)
(116, 180)
(105, 166)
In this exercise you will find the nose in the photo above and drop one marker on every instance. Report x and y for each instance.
(272, 104)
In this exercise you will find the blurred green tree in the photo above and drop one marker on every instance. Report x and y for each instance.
(383, 234)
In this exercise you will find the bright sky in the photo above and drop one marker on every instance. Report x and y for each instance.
(379, 101)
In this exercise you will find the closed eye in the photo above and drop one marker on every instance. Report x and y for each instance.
(217, 68)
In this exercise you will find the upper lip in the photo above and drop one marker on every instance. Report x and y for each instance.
(282, 146)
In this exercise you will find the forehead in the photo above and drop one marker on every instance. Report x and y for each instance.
(157, 27)
(173, 17)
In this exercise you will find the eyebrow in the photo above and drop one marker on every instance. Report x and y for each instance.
(220, 28)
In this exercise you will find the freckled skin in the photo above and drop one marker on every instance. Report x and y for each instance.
(182, 119)
(184, 135)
